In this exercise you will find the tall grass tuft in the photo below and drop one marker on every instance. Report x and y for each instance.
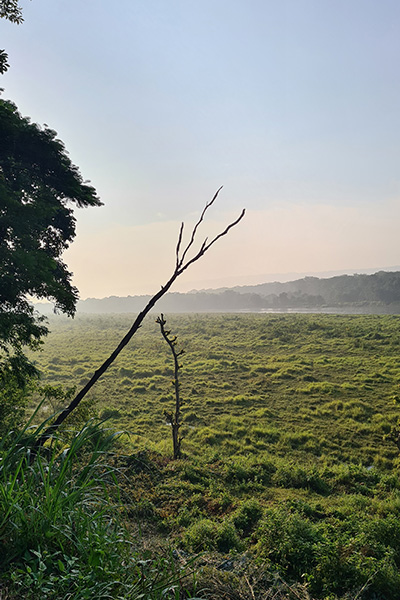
(61, 533)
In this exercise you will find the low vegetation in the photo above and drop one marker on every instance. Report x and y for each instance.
(288, 486)
(62, 533)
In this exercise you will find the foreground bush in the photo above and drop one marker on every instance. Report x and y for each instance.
(333, 557)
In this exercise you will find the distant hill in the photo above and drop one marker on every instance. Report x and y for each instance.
(379, 292)
(378, 287)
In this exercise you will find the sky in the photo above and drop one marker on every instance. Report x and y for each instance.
(292, 105)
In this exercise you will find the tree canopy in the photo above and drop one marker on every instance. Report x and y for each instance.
(38, 187)
(10, 10)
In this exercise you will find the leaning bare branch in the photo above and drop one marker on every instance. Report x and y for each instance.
(178, 245)
(180, 267)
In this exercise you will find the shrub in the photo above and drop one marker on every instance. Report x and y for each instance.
(288, 540)
(201, 535)
(193, 473)
(247, 516)
(143, 510)
(13, 401)
(110, 413)
(381, 534)
(227, 538)
(209, 535)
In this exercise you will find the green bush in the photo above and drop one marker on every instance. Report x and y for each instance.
(336, 557)
(14, 398)
(209, 535)
(288, 541)
(201, 535)
(227, 538)
(247, 515)
(110, 413)
(194, 473)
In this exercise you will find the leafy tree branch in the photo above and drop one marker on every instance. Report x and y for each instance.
(10, 10)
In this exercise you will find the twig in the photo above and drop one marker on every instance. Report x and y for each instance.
(250, 587)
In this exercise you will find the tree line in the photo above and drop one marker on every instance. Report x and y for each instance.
(382, 288)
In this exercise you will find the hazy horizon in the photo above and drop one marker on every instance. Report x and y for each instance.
(222, 283)
(292, 106)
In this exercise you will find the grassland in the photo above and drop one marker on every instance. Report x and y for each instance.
(291, 469)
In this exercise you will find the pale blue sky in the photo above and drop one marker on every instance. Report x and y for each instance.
(292, 105)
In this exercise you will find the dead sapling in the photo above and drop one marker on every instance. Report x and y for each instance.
(173, 417)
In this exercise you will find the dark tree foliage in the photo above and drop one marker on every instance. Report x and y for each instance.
(3, 62)
(38, 184)
(11, 10)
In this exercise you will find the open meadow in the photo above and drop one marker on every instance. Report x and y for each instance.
(291, 468)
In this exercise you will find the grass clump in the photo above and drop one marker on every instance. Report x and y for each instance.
(245, 470)
(61, 531)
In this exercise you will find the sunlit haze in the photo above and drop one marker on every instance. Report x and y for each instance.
(292, 106)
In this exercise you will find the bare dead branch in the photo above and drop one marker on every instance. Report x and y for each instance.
(195, 228)
(204, 247)
(178, 245)
(182, 263)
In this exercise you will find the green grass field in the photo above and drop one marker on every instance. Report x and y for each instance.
(291, 469)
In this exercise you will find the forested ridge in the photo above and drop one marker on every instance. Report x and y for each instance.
(379, 292)
(383, 286)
